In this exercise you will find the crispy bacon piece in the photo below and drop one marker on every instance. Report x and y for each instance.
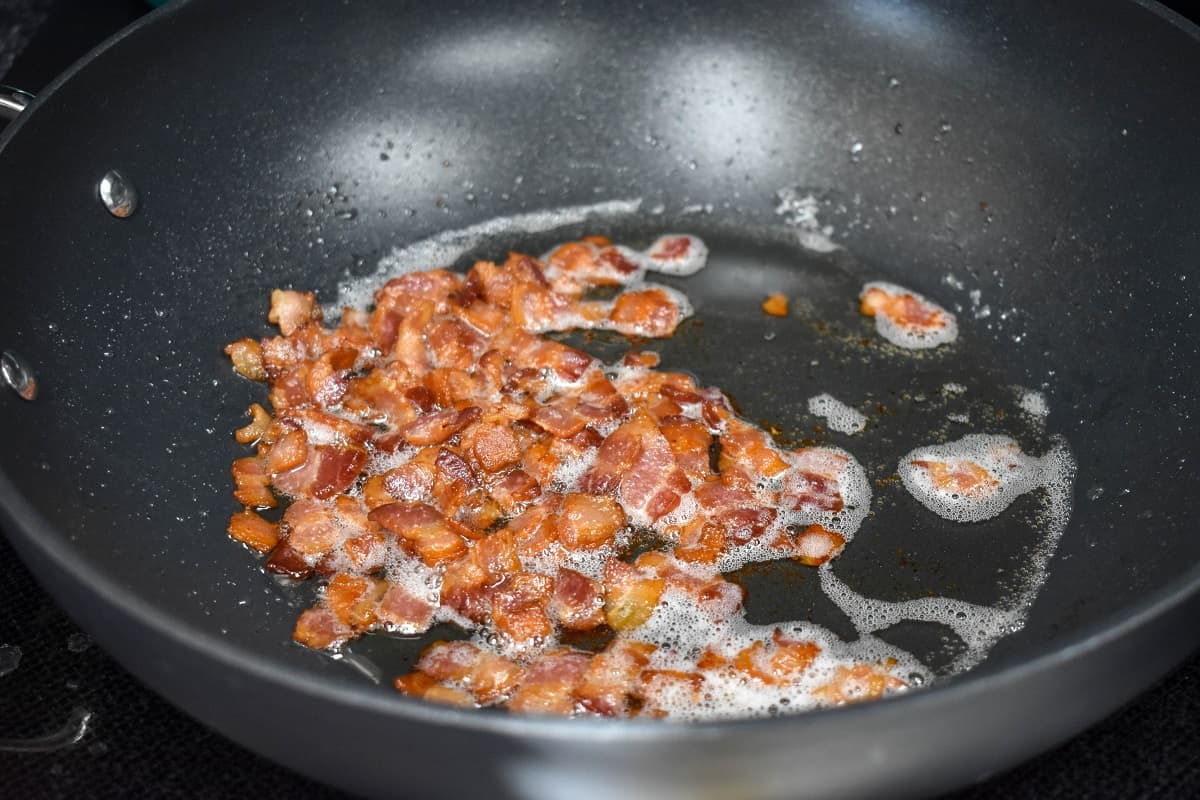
(906, 310)
(613, 677)
(548, 684)
(650, 312)
(578, 601)
(637, 459)
(354, 599)
(247, 358)
(486, 676)
(260, 423)
(746, 447)
(519, 607)
(960, 476)
(327, 471)
(439, 426)
(776, 305)
(405, 611)
(629, 595)
(781, 662)
(857, 683)
(709, 590)
(815, 483)
(815, 545)
(588, 521)
(320, 629)
(312, 530)
(426, 687)
(253, 531)
(253, 483)
(290, 310)
(434, 538)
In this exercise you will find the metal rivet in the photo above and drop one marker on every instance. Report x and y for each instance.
(17, 375)
(118, 194)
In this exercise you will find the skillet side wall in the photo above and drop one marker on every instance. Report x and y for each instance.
(1065, 187)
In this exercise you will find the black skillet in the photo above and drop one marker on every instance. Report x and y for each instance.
(1043, 159)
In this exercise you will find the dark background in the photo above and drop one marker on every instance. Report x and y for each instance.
(74, 724)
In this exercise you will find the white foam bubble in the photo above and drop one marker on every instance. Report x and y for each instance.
(799, 210)
(912, 338)
(1033, 403)
(837, 415)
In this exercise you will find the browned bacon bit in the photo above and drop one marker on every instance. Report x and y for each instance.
(253, 531)
(247, 359)
(857, 683)
(776, 305)
(291, 310)
(613, 678)
(962, 477)
(548, 684)
(260, 423)
(903, 308)
(780, 662)
(445, 462)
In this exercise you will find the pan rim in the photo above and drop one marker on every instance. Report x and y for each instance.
(1090, 639)
(23, 520)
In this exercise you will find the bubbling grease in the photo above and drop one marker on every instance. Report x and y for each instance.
(1014, 473)
(837, 415)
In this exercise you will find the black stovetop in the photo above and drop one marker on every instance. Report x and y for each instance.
(73, 724)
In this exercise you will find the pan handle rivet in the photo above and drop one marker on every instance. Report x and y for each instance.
(17, 375)
(118, 194)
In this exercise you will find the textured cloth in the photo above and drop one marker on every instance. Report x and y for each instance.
(130, 743)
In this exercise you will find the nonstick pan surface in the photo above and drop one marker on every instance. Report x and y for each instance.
(1042, 160)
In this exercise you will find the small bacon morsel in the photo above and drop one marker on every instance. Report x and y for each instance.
(442, 460)
(906, 318)
(776, 305)
(960, 476)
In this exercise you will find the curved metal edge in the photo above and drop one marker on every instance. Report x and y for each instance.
(13, 101)
(968, 689)
(35, 101)
(1172, 16)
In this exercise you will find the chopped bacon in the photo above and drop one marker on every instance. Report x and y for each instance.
(905, 309)
(515, 491)
(320, 629)
(959, 476)
(578, 601)
(519, 607)
(327, 471)
(650, 312)
(290, 310)
(253, 531)
(776, 305)
(442, 457)
(426, 687)
(486, 676)
(857, 683)
(439, 426)
(629, 596)
(247, 358)
(430, 534)
(405, 611)
(589, 521)
(612, 677)
(548, 685)
(815, 545)
(815, 483)
(253, 482)
(260, 423)
(781, 662)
